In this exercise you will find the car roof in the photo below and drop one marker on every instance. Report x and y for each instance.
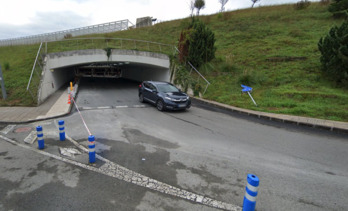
(158, 82)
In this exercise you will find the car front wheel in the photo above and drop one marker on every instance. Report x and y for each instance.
(141, 98)
(160, 105)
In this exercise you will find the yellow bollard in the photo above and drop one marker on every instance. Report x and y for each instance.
(71, 86)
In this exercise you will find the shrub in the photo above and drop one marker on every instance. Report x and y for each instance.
(219, 16)
(247, 79)
(197, 87)
(303, 4)
(183, 78)
(201, 48)
(229, 68)
(324, 2)
(197, 44)
(68, 36)
(6, 65)
(339, 8)
(334, 53)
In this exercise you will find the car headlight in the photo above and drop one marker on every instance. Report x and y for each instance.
(168, 98)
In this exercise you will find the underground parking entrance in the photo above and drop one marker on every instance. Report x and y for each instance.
(121, 69)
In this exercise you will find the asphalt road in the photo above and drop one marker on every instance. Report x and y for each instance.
(201, 150)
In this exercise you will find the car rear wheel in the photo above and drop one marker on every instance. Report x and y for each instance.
(141, 98)
(160, 105)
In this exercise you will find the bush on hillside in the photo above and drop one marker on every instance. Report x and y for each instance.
(339, 8)
(334, 53)
(6, 65)
(303, 4)
(68, 36)
(197, 44)
(324, 2)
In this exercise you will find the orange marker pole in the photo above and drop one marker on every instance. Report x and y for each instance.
(71, 86)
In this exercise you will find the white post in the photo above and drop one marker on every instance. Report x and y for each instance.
(252, 98)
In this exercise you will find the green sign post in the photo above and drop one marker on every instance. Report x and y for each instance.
(2, 83)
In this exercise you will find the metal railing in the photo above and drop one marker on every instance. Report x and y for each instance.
(104, 43)
(208, 83)
(55, 36)
(34, 80)
(199, 74)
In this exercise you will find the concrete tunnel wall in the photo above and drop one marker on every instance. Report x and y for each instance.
(59, 67)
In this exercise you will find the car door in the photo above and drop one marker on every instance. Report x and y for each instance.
(147, 92)
(152, 93)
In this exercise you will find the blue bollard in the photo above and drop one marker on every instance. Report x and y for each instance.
(40, 139)
(91, 148)
(249, 202)
(61, 130)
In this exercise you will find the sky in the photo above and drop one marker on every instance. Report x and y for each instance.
(19, 18)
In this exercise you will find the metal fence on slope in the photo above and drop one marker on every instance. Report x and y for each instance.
(55, 36)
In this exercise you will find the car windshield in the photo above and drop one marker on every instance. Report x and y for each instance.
(167, 88)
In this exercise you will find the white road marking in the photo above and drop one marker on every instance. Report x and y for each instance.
(7, 129)
(124, 106)
(104, 107)
(112, 107)
(139, 106)
(70, 152)
(87, 108)
(30, 139)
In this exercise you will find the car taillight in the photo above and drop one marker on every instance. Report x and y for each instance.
(139, 85)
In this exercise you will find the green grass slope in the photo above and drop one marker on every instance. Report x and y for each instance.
(273, 49)
(20, 60)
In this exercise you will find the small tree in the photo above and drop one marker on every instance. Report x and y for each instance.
(334, 53)
(199, 4)
(254, 2)
(339, 8)
(223, 3)
(197, 44)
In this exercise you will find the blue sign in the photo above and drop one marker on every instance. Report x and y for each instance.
(246, 88)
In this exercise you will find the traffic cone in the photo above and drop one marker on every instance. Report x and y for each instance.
(69, 99)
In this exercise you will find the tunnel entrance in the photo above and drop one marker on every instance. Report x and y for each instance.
(100, 70)
(62, 67)
(94, 93)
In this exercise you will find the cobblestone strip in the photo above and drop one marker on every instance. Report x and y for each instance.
(119, 172)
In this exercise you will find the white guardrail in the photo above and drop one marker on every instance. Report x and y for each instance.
(55, 36)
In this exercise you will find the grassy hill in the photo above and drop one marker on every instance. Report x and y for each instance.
(273, 49)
